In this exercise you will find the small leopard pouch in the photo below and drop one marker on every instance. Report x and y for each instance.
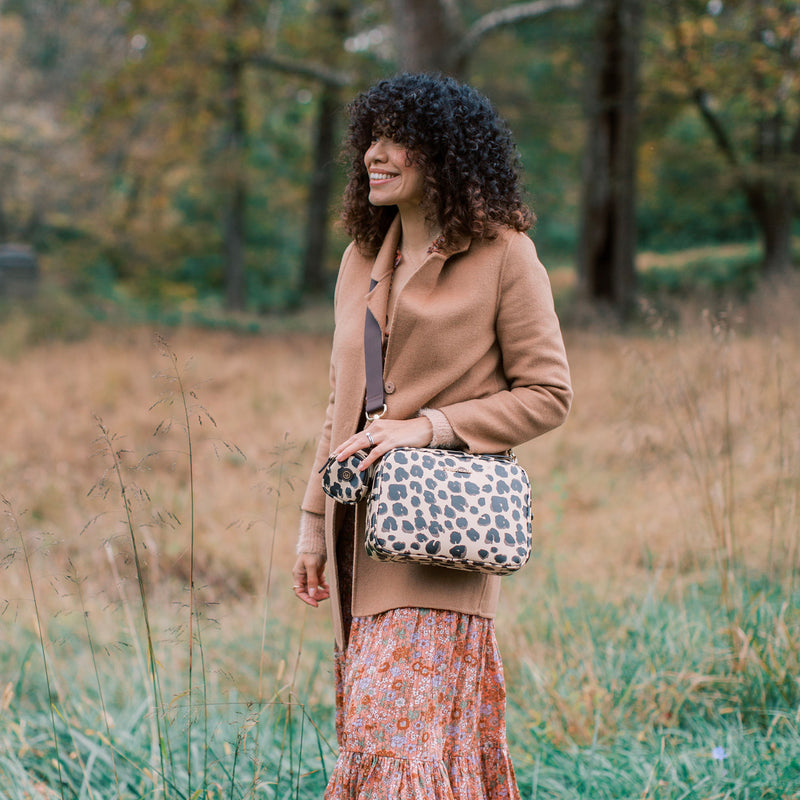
(344, 481)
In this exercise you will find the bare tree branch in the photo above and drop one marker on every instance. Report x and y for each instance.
(719, 133)
(509, 15)
(317, 72)
(453, 14)
(699, 95)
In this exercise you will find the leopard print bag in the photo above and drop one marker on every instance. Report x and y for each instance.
(451, 509)
(344, 481)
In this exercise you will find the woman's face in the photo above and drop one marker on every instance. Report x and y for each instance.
(393, 179)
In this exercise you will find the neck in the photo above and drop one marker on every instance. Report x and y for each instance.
(417, 233)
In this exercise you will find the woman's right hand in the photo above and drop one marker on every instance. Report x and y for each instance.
(309, 579)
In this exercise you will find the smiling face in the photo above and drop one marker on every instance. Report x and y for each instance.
(393, 179)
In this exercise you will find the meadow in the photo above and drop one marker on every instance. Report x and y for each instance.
(150, 644)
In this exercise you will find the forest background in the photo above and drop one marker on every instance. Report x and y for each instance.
(182, 153)
(172, 164)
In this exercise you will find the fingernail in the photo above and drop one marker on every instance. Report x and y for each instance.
(312, 591)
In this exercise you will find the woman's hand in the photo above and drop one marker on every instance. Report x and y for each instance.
(385, 434)
(309, 579)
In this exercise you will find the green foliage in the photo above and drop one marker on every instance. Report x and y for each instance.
(664, 694)
(668, 662)
(107, 743)
(687, 194)
(716, 272)
(710, 761)
(534, 74)
(737, 65)
(118, 126)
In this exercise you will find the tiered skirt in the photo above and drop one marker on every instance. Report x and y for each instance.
(421, 710)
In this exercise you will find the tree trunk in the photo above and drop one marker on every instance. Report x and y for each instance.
(321, 184)
(320, 192)
(4, 231)
(607, 247)
(234, 235)
(427, 35)
(773, 208)
(771, 195)
(235, 193)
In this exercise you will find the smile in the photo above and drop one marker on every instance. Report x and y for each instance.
(381, 176)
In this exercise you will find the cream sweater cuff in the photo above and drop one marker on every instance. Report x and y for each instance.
(311, 538)
(443, 434)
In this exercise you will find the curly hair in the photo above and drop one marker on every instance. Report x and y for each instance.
(464, 149)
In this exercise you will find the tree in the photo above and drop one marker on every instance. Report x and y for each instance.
(607, 248)
(45, 49)
(432, 35)
(739, 65)
(336, 14)
(234, 189)
(192, 115)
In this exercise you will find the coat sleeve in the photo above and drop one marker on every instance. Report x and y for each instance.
(537, 393)
(314, 497)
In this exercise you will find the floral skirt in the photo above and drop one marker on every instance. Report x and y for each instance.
(420, 702)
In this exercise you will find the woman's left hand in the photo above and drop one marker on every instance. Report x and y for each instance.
(384, 434)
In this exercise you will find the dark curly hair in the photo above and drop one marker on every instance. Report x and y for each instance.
(464, 149)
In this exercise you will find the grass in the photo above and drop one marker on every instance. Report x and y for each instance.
(150, 646)
(632, 701)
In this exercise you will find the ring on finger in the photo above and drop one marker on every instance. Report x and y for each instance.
(371, 440)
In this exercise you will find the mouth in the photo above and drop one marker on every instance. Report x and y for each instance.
(381, 177)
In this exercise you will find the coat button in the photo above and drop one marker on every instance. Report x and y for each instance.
(388, 387)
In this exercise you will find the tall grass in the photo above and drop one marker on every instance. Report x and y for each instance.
(9, 512)
(255, 746)
(718, 443)
(652, 647)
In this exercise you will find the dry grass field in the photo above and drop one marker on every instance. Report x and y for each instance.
(679, 467)
(682, 446)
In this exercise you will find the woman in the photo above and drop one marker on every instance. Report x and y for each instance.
(474, 360)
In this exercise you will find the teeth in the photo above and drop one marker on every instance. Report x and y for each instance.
(380, 176)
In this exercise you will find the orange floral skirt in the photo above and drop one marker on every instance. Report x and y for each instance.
(420, 703)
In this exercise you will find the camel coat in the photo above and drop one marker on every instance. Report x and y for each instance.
(474, 335)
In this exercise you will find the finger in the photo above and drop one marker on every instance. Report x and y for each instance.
(317, 585)
(309, 579)
(323, 592)
(312, 579)
(300, 580)
(320, 595)
(306, 598)
(374, 454)
(359, 441)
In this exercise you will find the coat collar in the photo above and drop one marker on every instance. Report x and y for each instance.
(383, 266)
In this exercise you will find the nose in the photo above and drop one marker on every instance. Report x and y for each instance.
(375, 153)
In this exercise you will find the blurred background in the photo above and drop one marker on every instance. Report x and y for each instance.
(169, 190)
(178, 157)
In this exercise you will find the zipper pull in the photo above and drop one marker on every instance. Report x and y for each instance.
(327, 464)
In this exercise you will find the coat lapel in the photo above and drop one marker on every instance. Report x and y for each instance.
(416, 291)
(381, 274)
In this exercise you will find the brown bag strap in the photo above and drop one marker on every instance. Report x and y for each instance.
(375, 403)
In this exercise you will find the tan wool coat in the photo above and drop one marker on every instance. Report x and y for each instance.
(474, 335)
